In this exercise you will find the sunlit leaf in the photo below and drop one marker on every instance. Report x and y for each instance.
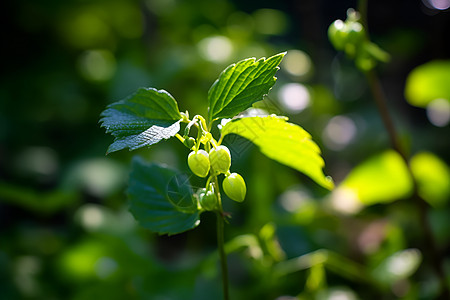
(380, 179)
(284, 142)
(161, 199)
(433, 177)
(143, 119)
(242, 84)
(428, 82)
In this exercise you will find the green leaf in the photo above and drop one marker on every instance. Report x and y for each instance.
(284, 142)
(240, 85)
(433, 178)
(143, 119)
(380, 179)
(428, 82)
(161, 199)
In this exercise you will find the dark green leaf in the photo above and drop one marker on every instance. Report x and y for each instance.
(161, 199)
(240, 85)
(284, 142)
(143, 119)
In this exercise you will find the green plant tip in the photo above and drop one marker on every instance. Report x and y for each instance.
(234, 187)
(199, 163)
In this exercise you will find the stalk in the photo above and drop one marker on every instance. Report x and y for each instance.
(220, 242)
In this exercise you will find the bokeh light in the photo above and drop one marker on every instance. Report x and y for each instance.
(438, 112)
(297, 63)
(437, 4)
(345, 201)
(97, 65)
(216, 48)
(339, 132)
(294, 97)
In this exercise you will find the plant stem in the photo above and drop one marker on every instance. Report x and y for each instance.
(223, 257)
(221, 241)
(379, 98)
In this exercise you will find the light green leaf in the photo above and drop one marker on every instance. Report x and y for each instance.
(161, 199)
(432, 176)
(380, 179)
(428, 82)
(143, 119)
(240, 85)
(284, 142)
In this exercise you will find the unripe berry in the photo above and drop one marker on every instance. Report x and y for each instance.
(220, 159)
(208, 200)
(234, 187)
(199, 163)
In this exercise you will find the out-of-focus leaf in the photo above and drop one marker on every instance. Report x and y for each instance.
(433, 178)
(40, 202)
(240, 85)
(79, 262)
(284, 142)
(382, 178)
(428, 82)
(161, 199)
(143, 119)
(400, 265)
(269, 240)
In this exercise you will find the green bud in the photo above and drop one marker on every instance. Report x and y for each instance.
(220, 159)
(189, 142)
(208, 199)
(234, 187)
(199, 163)
(337, 34)
(355, 32)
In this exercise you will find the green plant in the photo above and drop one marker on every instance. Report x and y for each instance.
(352, 38)
(161, 198)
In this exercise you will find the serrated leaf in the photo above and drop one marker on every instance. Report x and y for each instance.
(240, 85)
(143, 119)
(161, 199)
(284, 142)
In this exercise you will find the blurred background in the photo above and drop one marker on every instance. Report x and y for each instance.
(65, 229)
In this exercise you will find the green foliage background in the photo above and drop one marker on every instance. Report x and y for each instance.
(65, 228)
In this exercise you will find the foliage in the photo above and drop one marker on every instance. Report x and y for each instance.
(163, 201)
(66, 230)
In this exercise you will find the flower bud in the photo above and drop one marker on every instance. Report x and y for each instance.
(208, 199)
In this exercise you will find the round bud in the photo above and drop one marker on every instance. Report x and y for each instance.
(234, 187)
(189, 142)
(355, 32)
(220, 159)
(199, 163)
(208, 200)
(337, 33)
